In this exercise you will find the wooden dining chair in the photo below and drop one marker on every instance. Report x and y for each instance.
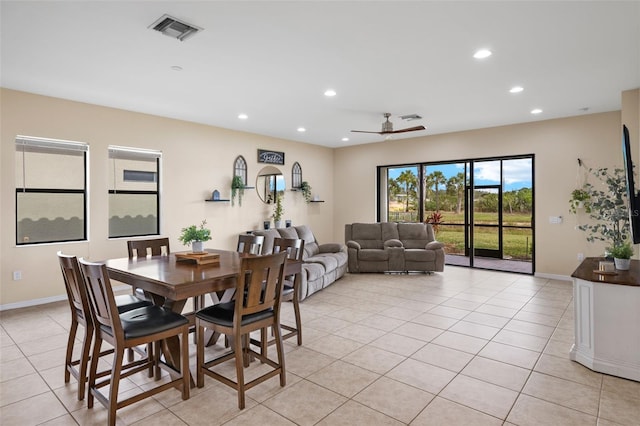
(294, 247)
(250, 244)
(81, 315)
(143, 248)
(260, 279)
(142, 326)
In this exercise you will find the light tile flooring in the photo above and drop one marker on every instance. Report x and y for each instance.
(463, 347)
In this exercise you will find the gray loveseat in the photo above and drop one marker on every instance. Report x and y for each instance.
(393, 247)
(323, 263)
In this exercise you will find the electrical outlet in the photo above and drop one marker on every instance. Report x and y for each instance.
(581, 256)
(17, 275)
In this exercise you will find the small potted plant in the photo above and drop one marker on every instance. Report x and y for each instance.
(237, 188)
(278, 211)
(195, 236)
(306, 190)
(622, 255)
(579, 199)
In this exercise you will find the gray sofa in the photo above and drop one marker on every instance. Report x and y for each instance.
(393, 247)
(323, 263)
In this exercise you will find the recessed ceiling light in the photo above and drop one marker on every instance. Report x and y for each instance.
(345, 139)
(536, 111)
(302, 129)
(243, 116)
(482, 53)
(176, 68)
(330, 92)
(516, 89)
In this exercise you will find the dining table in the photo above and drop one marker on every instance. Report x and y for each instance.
(171, 281)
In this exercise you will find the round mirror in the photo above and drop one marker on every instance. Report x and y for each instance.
(269, 184)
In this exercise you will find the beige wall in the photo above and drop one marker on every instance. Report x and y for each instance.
(556, 144)
(196, 160)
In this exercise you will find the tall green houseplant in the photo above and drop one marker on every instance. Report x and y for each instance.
(609, 209)
(278, 211)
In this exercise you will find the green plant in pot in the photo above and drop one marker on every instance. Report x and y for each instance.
(622, 255)
(609, 214)
(195, 236)
(306, 190)
(237, 189)
(579, 199)
(278, 211)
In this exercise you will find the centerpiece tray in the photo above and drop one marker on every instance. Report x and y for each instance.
(203, 258)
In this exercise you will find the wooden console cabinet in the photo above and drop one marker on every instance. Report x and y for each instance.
(607, 319)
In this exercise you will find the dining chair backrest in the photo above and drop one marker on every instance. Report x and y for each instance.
(74, 285)
(293, 246)
(261, 280)
(103, 305)
(250, 244)
(142, 248)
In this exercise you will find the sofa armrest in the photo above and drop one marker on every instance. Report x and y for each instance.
(393, 243)
(434, 245)
(331, 248)
(354, 245)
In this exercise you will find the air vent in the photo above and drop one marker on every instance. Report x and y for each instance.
(411, 117)
(174, 28)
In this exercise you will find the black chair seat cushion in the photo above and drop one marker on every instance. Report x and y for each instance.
(128, 302)
(148, 320)
(222, 314)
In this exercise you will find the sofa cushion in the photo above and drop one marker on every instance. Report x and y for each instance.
(419, 255)
(368, 235)
(269, 235)
(372, 255)
(413, 235)
(389, 231)
(310, 244)
(327, 260)
(288, 233)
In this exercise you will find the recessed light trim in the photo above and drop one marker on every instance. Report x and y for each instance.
(176, 68)
(536, 111)
(302, 129)
(243, 116)
(516, 89)
(482, 53)
(330, 93)
(345, 139)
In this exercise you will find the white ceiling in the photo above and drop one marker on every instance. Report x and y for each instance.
(273, 60)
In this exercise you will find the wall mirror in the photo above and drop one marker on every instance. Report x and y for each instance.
(269, 183)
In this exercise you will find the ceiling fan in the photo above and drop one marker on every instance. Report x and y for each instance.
(387, 128)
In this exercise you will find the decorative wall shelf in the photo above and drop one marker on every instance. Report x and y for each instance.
(316, 201)
(215, 201)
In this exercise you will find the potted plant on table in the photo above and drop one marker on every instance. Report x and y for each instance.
(195, 236)
(622, 255)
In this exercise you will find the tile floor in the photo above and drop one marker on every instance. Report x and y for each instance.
(464, 347)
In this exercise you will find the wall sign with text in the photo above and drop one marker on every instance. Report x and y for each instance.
(270, 157)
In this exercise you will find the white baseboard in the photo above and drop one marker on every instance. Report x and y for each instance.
(553, 276)
(45, 300)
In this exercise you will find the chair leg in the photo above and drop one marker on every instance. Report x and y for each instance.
(84, 361)
(199, 355)
(93, 370)
(280, 351)
(186, 374)
(240, 360)
(296, 311)
(69, 356)
(116, 369)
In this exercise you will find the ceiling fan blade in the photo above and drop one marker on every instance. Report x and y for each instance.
(409, 129)
(364, 131)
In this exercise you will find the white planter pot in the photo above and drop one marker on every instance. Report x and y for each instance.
(278, 224)
(197, 246)
(622, 264)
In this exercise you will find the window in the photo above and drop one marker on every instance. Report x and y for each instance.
(51, 190)
(134, 196)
